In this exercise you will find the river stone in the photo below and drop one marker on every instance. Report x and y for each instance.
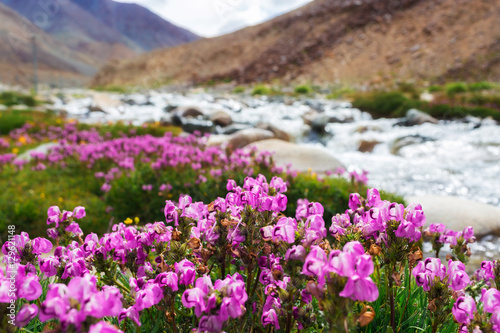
(367, 146)
(188, 112)
(408, 140)
(45, 148)
(101, 102)
(221, 118)
(302, 158)
(278, 133)
(231, 129)
(457, 213)
(217, 139)
(191, 125)
(416, 117)
(247, 136)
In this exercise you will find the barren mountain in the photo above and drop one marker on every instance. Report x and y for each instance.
(330, 41)
(55, 59)
(98, 30)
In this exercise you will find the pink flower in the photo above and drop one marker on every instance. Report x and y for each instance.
(463, 309)
(104, 327)
(490, 299)
(26, 314)
(79, 212)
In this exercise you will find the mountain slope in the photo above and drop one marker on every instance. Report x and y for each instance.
(140, 25)
(54, 58)
(336, 40)
(96, 31)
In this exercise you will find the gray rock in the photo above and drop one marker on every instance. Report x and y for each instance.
(231, 129)
(191, 125)
(169, 108)
(302, 158)
(45, 148)
(245, 137)
(319, 123)
(416, 117)
(457, 213)
(407, 141)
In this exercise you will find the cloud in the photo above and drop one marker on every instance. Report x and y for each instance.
(215, 17)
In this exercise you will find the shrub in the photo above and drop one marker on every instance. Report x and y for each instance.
(455, 88)
(239, 90)
(261, 90)
(382, 104)
(479, 86)
(10, 98)
(435, 88)
(303, 89)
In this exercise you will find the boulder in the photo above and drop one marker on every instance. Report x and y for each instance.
(278, 133)
(101, 102)
(42, 149)
(302, 158)
(416, 117)
(319, 123)
(217, 139)
(457, 213)
(189, 112)
(221, 118)
(245, 137)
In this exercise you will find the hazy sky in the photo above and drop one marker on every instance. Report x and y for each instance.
(216, 17)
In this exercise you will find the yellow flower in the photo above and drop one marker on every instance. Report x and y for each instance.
(128, 221)
(22, 139)
(58, 121)
(15, 150)
(42, 195)
(136, 220)
(60, 199)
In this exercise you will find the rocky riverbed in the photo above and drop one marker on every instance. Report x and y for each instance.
(441, 163)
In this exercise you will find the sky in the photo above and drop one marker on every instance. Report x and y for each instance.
(209, 18)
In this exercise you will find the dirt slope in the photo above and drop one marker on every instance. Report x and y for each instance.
(336, 41)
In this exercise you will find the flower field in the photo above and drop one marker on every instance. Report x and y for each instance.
(168, 234)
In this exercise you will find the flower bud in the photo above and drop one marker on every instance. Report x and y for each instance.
(375, 250)
(367, 315)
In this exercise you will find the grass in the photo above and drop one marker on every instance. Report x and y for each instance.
(12, 119)
(10, 98)
(454, 100)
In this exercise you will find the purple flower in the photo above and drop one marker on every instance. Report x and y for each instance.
(104, 327)
(171, 214)
(437, 228)
(186, 271)
(468, 234)
(41, 245)
(372, 197)
(278, 184)
(131, 313)
(79, 212)
(463, 309)
(296, 252)
(49, 266)
(360, 289)
(270, 317)
(354, 201)
(26, 314)
(169, 279)
(415, 215)
(490, 299)
(194, 297)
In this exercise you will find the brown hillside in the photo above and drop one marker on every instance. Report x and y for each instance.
(336, 40)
